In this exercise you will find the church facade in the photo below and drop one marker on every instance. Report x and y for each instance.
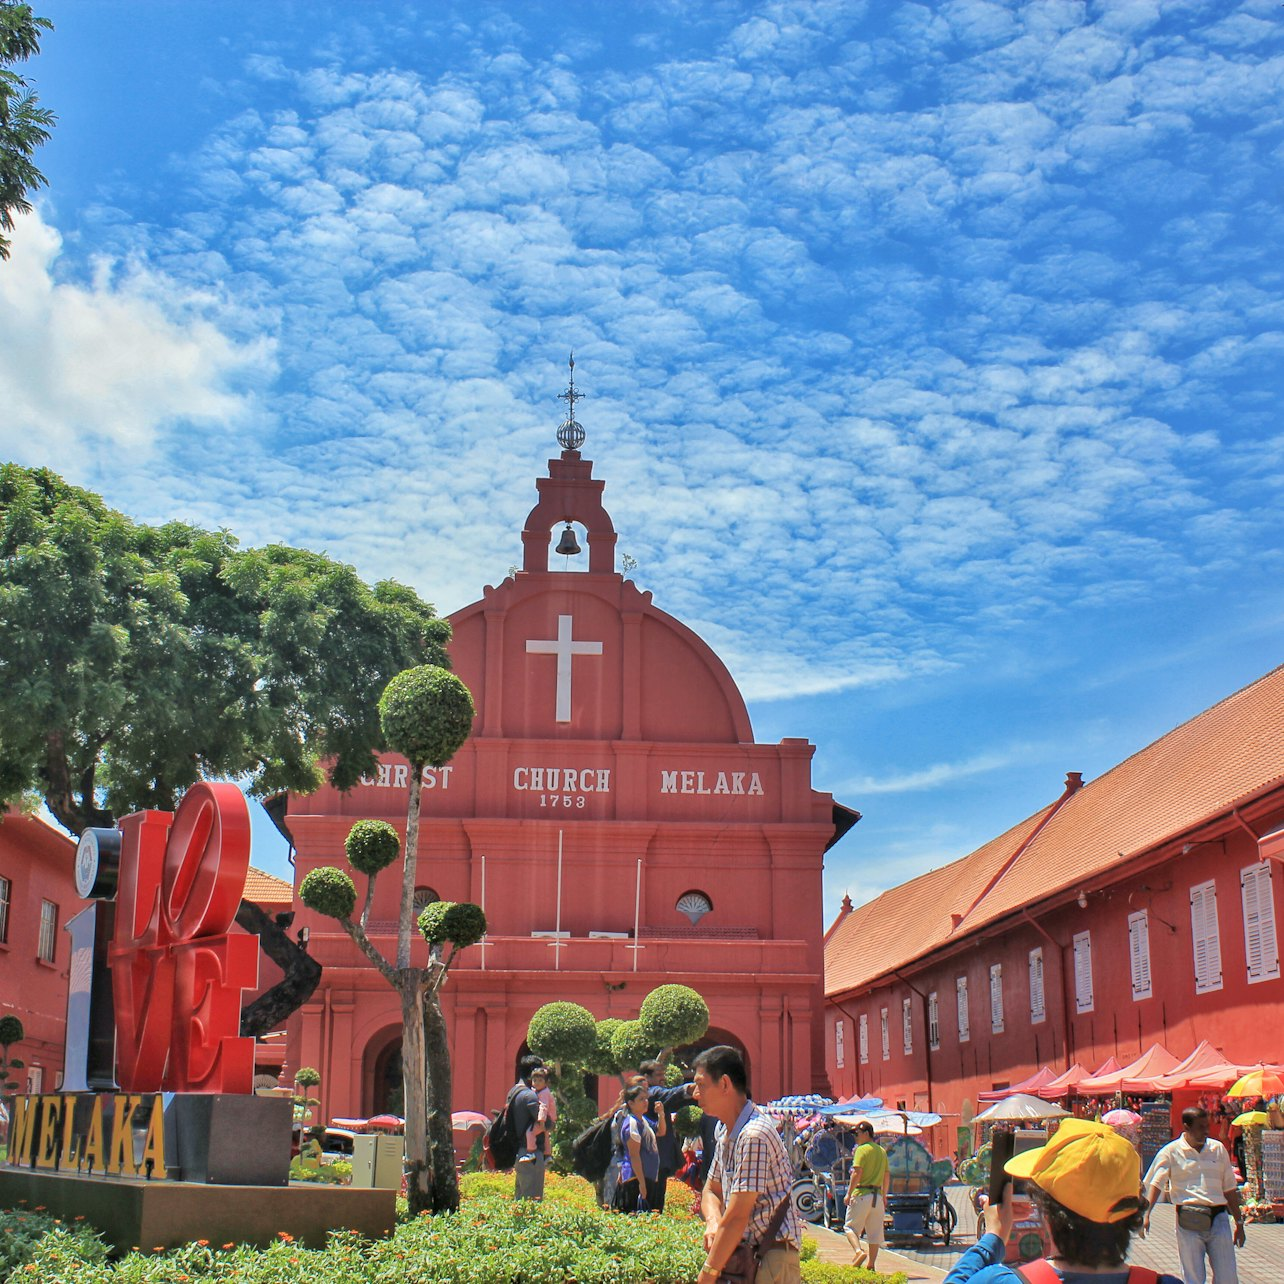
(611, 813)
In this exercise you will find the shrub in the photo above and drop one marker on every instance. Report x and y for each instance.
(563, 1032)
(307, 1077)
(426, 714)
(816, 1272)
(460, 922)
(603, 1061)
(672, 1015)
(329, 891)
(631, 1045)
(10, 1031)
(372, 845)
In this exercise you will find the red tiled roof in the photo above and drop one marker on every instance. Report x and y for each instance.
(1202, 769)
(265, 889)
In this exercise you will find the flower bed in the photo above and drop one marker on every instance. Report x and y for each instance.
(492, 1240)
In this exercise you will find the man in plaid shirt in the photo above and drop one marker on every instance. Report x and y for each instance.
(750, 1177)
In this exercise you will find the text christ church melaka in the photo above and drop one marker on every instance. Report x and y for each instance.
(614, 818)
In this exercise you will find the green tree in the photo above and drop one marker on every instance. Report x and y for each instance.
(23, 124)
(11, 1032)
(136, 660)
(426, 714)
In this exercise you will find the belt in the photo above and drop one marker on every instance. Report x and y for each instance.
(869, 1190)
(1206, 1208)
(775, 1244)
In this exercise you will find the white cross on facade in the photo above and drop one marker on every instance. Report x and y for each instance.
(564, 649)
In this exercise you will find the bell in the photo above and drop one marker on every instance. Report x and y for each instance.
(568, 543)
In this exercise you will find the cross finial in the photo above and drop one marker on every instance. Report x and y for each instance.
(570, 435)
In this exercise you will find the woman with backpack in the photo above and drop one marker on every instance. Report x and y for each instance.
(1086, 1183)
(640, 1154)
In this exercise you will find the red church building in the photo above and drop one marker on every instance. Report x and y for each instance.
(1135, 910)
(612, 814)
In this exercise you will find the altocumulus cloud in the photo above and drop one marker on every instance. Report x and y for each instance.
(111, 365)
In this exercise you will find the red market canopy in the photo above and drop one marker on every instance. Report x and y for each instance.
(1205, 1058)
(1063, 1084)
(1136, 1077)
(1031, 1086)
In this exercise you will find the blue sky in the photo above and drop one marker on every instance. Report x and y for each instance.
(932, 352)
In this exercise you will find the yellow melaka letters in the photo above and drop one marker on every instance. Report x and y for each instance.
(121, 1159)
(22, 1130)
(50, 1118)
(94, 1154)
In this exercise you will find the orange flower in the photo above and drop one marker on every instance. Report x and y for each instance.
(285, 1237)
(203, 1243)
(229, 1245)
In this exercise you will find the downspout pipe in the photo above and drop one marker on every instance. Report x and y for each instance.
(927, 1034)
(1061, 967)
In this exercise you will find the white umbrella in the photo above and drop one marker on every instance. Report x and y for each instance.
(1021, 1106)
(880, 1121)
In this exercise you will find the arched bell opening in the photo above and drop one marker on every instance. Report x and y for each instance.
(568, 547)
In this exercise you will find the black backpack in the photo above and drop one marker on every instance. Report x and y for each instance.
(502, 1141)
(591, 1150)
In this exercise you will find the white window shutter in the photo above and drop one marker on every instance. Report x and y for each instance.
(864, 1038)
(1139, 954)
(840, 1044)
(907, 1026)
(933, 1021)
(965, 1032)
(1261, 948)
(887, 1042)
(1037, 1011)
(996, 999)
(1083, 972)
(1206, 940)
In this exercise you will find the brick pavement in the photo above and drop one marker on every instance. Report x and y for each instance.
(1261, 1261)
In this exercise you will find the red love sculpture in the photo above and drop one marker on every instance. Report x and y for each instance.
(177, 973)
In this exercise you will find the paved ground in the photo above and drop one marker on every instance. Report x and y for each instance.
(1260, 1262)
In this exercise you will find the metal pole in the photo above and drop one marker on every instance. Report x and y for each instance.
(637, 915)
(557, 937)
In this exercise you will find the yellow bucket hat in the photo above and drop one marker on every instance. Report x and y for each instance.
(1088, 1168)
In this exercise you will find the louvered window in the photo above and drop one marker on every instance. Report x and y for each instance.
(933, 1022)
(1037, 1011)
(907, 1027)
(1083, 972)
(1139, 954)
(864, 1038)
(47, 944)
(996, 998)
(1206, 941)
(965, 1031)
(1261, 949)
(840, 1044)
(887, 1042)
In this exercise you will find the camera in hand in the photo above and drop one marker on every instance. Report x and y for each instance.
(1004, 1143)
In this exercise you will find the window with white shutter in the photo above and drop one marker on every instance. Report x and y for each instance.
(1261, 950)
(1037, 1011)
(1139, 954)
(840, 1044)
(933, 1022)
(965, 1032)
(887, 1040)
(864, 1038)
(907, 1027)
(996, 998)
(1206, 941)
(1083, 972)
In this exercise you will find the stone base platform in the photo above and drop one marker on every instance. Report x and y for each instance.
(164, 1214)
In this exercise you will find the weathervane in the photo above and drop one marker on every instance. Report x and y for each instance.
(570, 435)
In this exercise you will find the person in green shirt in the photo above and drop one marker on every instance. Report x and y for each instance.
(866, 1193)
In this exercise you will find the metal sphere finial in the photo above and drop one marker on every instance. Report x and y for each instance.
(570, 435)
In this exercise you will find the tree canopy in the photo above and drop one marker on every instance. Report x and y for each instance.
(24, 125)
(136, 660)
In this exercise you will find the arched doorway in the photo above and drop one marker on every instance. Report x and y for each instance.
(714, 1037)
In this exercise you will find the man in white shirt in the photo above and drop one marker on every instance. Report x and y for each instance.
(1195, 1172)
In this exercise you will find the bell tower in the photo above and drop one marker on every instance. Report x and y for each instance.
(569, 494)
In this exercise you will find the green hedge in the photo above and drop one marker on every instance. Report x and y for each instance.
(492, 1240)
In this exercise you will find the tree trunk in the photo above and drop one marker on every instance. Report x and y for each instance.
(419, 1167)
(445, 1181)
(293, 990)
(406, 923)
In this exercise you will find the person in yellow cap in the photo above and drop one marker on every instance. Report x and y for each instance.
(1086, 1183)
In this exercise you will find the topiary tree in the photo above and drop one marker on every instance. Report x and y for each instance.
(11, 1032)
(564, 1035)
(631, 1045)
(426, 714)
(603, 1060)
(672, 1015)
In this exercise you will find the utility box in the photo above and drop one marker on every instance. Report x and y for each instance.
(377, 1161)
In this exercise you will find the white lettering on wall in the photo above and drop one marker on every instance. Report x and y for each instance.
(396, 775)
(745, 783)
(562, 780)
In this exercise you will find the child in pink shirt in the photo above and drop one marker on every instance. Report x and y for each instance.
(547, 1108)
